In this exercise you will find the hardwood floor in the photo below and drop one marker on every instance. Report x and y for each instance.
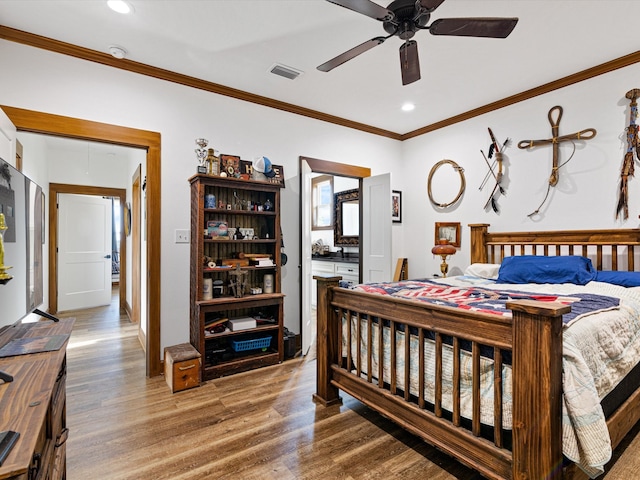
(256, 425)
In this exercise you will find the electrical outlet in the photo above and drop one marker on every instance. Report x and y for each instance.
(182, 236)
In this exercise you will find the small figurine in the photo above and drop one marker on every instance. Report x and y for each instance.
(238, 282)
(213, 162)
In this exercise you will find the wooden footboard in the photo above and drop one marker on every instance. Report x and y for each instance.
(537, 367)
(533, 338)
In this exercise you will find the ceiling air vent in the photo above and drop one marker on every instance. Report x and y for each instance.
(286, 72)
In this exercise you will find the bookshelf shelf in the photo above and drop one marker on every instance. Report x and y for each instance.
(219, 357)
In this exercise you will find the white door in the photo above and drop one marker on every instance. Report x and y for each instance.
(84, 251)
(305, 253)
(376, 229)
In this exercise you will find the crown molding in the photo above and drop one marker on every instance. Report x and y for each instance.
(30, 39)
(581, 76)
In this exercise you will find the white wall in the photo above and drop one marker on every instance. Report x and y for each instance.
(95, 166)
(43, 81)
(585, 197)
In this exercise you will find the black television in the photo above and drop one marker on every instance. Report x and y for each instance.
(21, 252)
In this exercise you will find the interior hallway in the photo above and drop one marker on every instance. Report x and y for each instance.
(255, 425)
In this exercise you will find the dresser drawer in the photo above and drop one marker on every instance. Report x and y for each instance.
(319, 268)
(349, 272)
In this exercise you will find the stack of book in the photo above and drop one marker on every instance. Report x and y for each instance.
(260, 259)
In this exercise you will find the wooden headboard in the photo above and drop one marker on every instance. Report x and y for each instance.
(615, 249)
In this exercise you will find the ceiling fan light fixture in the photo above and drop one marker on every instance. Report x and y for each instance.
(284, 71)
(120, 6)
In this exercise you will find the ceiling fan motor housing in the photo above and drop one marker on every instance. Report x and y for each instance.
(405, 23)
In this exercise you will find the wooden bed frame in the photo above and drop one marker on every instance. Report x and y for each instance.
(533, 335)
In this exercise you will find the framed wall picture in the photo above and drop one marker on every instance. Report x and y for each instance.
(449, 232)
(230, 164)
(396, 206)
(246, 169)
(279, 178)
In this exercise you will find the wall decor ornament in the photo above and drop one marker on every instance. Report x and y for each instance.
(463, 183)
(554, 116)
(126, 218)
(396, 206)
(633, 143)
(449, 232)
(497, 149)
(346, 232)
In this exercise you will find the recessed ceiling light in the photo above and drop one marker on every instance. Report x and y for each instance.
(407, 107)
(120, 6)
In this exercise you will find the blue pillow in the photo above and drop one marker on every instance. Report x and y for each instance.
(537, 269)
(624, 279)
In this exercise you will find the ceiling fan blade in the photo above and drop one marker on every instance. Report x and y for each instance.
(349, 54)
(474, 27)
(366, 7)
(430, 5)
(409, 62)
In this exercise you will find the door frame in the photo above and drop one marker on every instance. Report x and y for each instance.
(329, 168)
(136, 238)
(61, 188)
(49, 124)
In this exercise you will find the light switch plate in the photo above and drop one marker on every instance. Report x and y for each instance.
(182, 236)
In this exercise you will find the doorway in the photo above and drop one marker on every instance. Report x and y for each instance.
(308, 167)
(87, 249)
(49, 124)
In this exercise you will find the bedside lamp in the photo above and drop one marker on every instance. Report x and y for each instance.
(444, 249)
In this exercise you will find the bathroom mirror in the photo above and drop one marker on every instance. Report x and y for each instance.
(346, 232)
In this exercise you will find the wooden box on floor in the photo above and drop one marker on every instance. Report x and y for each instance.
(182, 367)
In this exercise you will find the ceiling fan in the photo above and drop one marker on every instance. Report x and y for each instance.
(403, 18)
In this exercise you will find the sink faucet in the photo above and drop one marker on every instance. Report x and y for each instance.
(342, 252)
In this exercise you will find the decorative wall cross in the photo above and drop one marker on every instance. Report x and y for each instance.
(555, 115)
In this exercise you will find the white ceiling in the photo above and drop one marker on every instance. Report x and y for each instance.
(236, 42)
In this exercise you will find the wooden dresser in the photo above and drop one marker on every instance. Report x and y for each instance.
(34, 404)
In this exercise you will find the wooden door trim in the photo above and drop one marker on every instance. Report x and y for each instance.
(136, 182)
(333, 168)
(49, 124)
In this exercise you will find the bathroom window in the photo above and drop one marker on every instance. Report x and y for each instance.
(322, 202)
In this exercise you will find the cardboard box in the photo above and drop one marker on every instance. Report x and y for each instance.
(217, 229)
(182, 366)
(244, 323)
